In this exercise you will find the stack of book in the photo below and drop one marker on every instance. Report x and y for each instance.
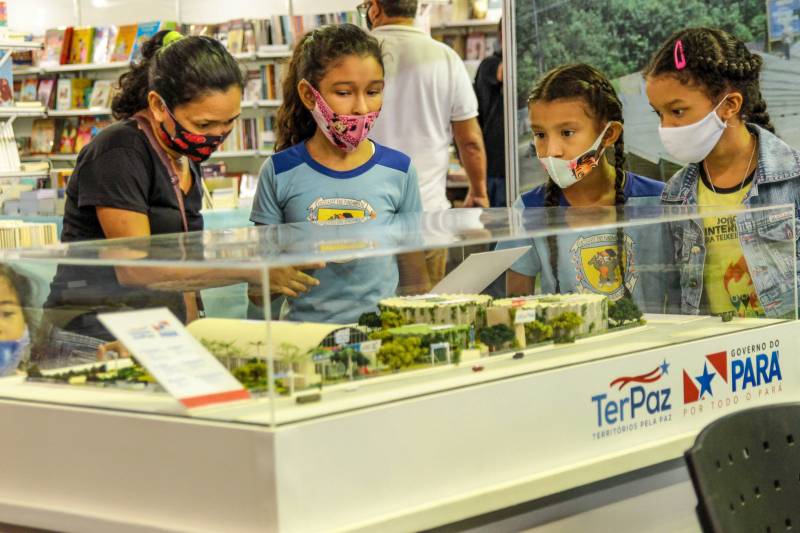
(277, 33)
(64, 135)
(264, 83)
(19, 234)
(9, 153)
(66, 93)
(97, 45)
(244, 136)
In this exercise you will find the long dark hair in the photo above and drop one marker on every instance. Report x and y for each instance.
(179, 72)
(717, 62)
(316, 52)
(588, 84)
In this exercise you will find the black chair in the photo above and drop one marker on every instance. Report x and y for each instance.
(745, 468)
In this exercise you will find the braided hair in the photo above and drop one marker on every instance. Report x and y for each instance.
(586, 83)
(717, 62)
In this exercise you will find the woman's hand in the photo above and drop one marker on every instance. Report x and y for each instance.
(112, 347)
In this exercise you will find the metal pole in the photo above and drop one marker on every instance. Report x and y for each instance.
(178, 13)
(539, 52)
(510, 100)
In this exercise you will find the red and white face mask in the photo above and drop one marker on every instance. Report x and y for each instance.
(345, 132)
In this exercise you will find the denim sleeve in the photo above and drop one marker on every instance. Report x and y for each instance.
(266, 204)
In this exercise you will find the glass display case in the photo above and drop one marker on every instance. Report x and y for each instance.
(371, 330)
(404, 332)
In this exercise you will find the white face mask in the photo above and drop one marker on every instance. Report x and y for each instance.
(567, 172)
(693, 143)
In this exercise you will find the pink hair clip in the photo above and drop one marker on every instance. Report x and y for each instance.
(680, 57)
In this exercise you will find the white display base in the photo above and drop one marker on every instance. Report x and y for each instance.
(415, 461)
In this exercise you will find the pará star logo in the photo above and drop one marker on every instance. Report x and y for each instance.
(698, 387)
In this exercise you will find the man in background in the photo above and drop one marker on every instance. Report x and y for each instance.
(489, 89)
(428, 102)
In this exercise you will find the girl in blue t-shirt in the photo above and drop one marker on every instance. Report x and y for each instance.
(576, 119)
(327, 172)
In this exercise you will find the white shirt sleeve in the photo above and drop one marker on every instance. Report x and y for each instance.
(465, 103)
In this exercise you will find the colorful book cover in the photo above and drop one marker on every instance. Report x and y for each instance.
(6, 79)
(126, 35)
(80, 51)
(144, 33)
(249, 45)
(85, 127)
(56, 47)
(43, 135)
(46, 92)
(81, 92)
(235, 42)
(28, 92)
(100, 48)
(64, 94)
(68, 134)
(101, 94)
(253, 88)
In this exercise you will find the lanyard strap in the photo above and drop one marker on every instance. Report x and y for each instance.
(168, 162)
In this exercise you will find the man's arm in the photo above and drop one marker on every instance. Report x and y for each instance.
(469, 140)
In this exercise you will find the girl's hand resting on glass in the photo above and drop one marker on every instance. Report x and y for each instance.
(291, 281)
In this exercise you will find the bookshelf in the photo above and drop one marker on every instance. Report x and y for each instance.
(245, 149)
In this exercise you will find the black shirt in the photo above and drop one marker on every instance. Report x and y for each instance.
(118, 169)
(490, 114)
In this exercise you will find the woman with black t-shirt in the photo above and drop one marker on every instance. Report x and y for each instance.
(141, 176)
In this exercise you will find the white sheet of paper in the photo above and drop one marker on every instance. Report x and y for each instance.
(478, 271)
(177, 360)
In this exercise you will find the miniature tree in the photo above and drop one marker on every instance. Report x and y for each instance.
(391, 319)
(226, 352)
(497, 336)
(370, 320)
(536, 332)
(622, 311)
(565, 327)
(401, 352)
(291, 355)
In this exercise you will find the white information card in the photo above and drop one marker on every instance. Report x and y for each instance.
(158, 340)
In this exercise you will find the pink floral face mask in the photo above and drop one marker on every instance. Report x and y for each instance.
(346, 132)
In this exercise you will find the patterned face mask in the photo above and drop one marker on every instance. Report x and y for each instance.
(345, 132)
(196, 146)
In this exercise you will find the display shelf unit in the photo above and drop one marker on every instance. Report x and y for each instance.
(6, 174)
(91, 112)
(466, 24)
(20, 46)
(235, 153)
(269, 103)
(256, 104)
(17, 111)
(83, 67)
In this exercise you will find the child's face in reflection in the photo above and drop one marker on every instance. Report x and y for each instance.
(12, 321)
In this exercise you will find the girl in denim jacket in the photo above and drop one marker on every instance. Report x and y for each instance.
(704, 85)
